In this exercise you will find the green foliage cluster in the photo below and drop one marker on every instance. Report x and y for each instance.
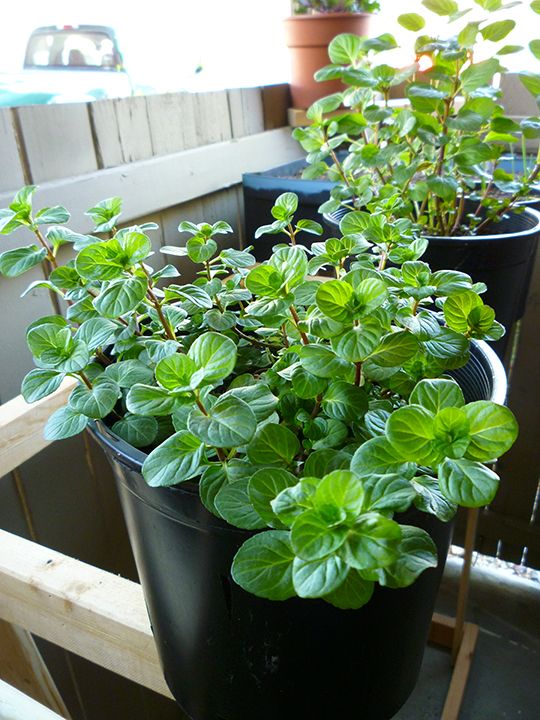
(303, 7)
(437, 159)
(311, 410)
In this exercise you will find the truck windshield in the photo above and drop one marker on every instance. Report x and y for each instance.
(69, 48)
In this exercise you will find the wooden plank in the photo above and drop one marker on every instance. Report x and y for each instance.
(21, 426)
(88, 611)
(460, 675)
(442, 630)
(15, 705)
(106, 133)
(276, 99)
(171, 119)
(22, 666)
(246, 108)
(58, 140)
(12, 175)
(149, 186)
(133, 128)
(212, 117)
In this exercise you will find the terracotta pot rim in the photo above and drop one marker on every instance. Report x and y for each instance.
(321, 16)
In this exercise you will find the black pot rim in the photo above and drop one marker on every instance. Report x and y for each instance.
(534, 215)
(134, 458)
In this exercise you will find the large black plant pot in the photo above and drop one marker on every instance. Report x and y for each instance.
(228, 655)
(502, 258)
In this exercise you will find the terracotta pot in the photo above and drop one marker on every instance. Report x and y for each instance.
(308, 37)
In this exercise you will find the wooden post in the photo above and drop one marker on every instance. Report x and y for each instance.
(15, 705)
(22, 666)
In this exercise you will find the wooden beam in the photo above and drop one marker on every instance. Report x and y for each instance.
(149, 186)
(22, 666)
(460, 675)
(88, 611)
(15, 705)
(21, 426)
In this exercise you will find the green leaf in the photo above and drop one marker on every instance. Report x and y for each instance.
(346, 402)
(234, 505)
(312, 538)
(493, 430)
(287, 203)
(395, 349)
(178, 372)
(320, 361)
(531, 81)
(40, 383)
(535, 5)
(149, 400)
(417, 552)
(441, 7)
(64, 423)
(372, 542)
(263, 565)
(229, 423)
(127, 373)
(434, 395)
(291, 263)
(273, 445)
(259, 397)
(52, 215)
(345, 49)
(334, 299)
(411, 21)
(353, 593)
(358, 343)
(220, 321)
(431, 500)
(101, 261)
(467, 483)
(136, 430)
(479, 75)
(96, 332)
(121, 297)
(176, 460)
(236, 258)
(318, 578)
(306, 385)
(211, 482)
(264, 487)
(200, 250)
(458, 307)
(411, 431)
(16, 262)
(264, 281)
(215, 354)
(97, 402)
(379, 457)
(341, 489)
(498, 30)
(387, 493)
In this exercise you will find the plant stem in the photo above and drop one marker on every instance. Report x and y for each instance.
(316, 407)
(85, 379)
(45, 244)
(169, 332)
(358, 374)
(221, 455)
(296, 320)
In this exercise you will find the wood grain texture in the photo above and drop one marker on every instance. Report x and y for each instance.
(88, 611)
(171, 118)
(22, 666)
(133, 128)
(21, 426)
(212, 117)
(246, 109)
(107, 141)
(149, 186)
(58, 140)
(461, 672)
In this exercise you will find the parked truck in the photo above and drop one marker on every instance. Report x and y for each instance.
(70, 63)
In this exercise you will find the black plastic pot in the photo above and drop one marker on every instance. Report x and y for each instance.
(502, 258)
(228, 655)
(260, 192)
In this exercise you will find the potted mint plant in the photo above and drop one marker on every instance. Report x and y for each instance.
(289, 450)
(437, 161)
(307, 33)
